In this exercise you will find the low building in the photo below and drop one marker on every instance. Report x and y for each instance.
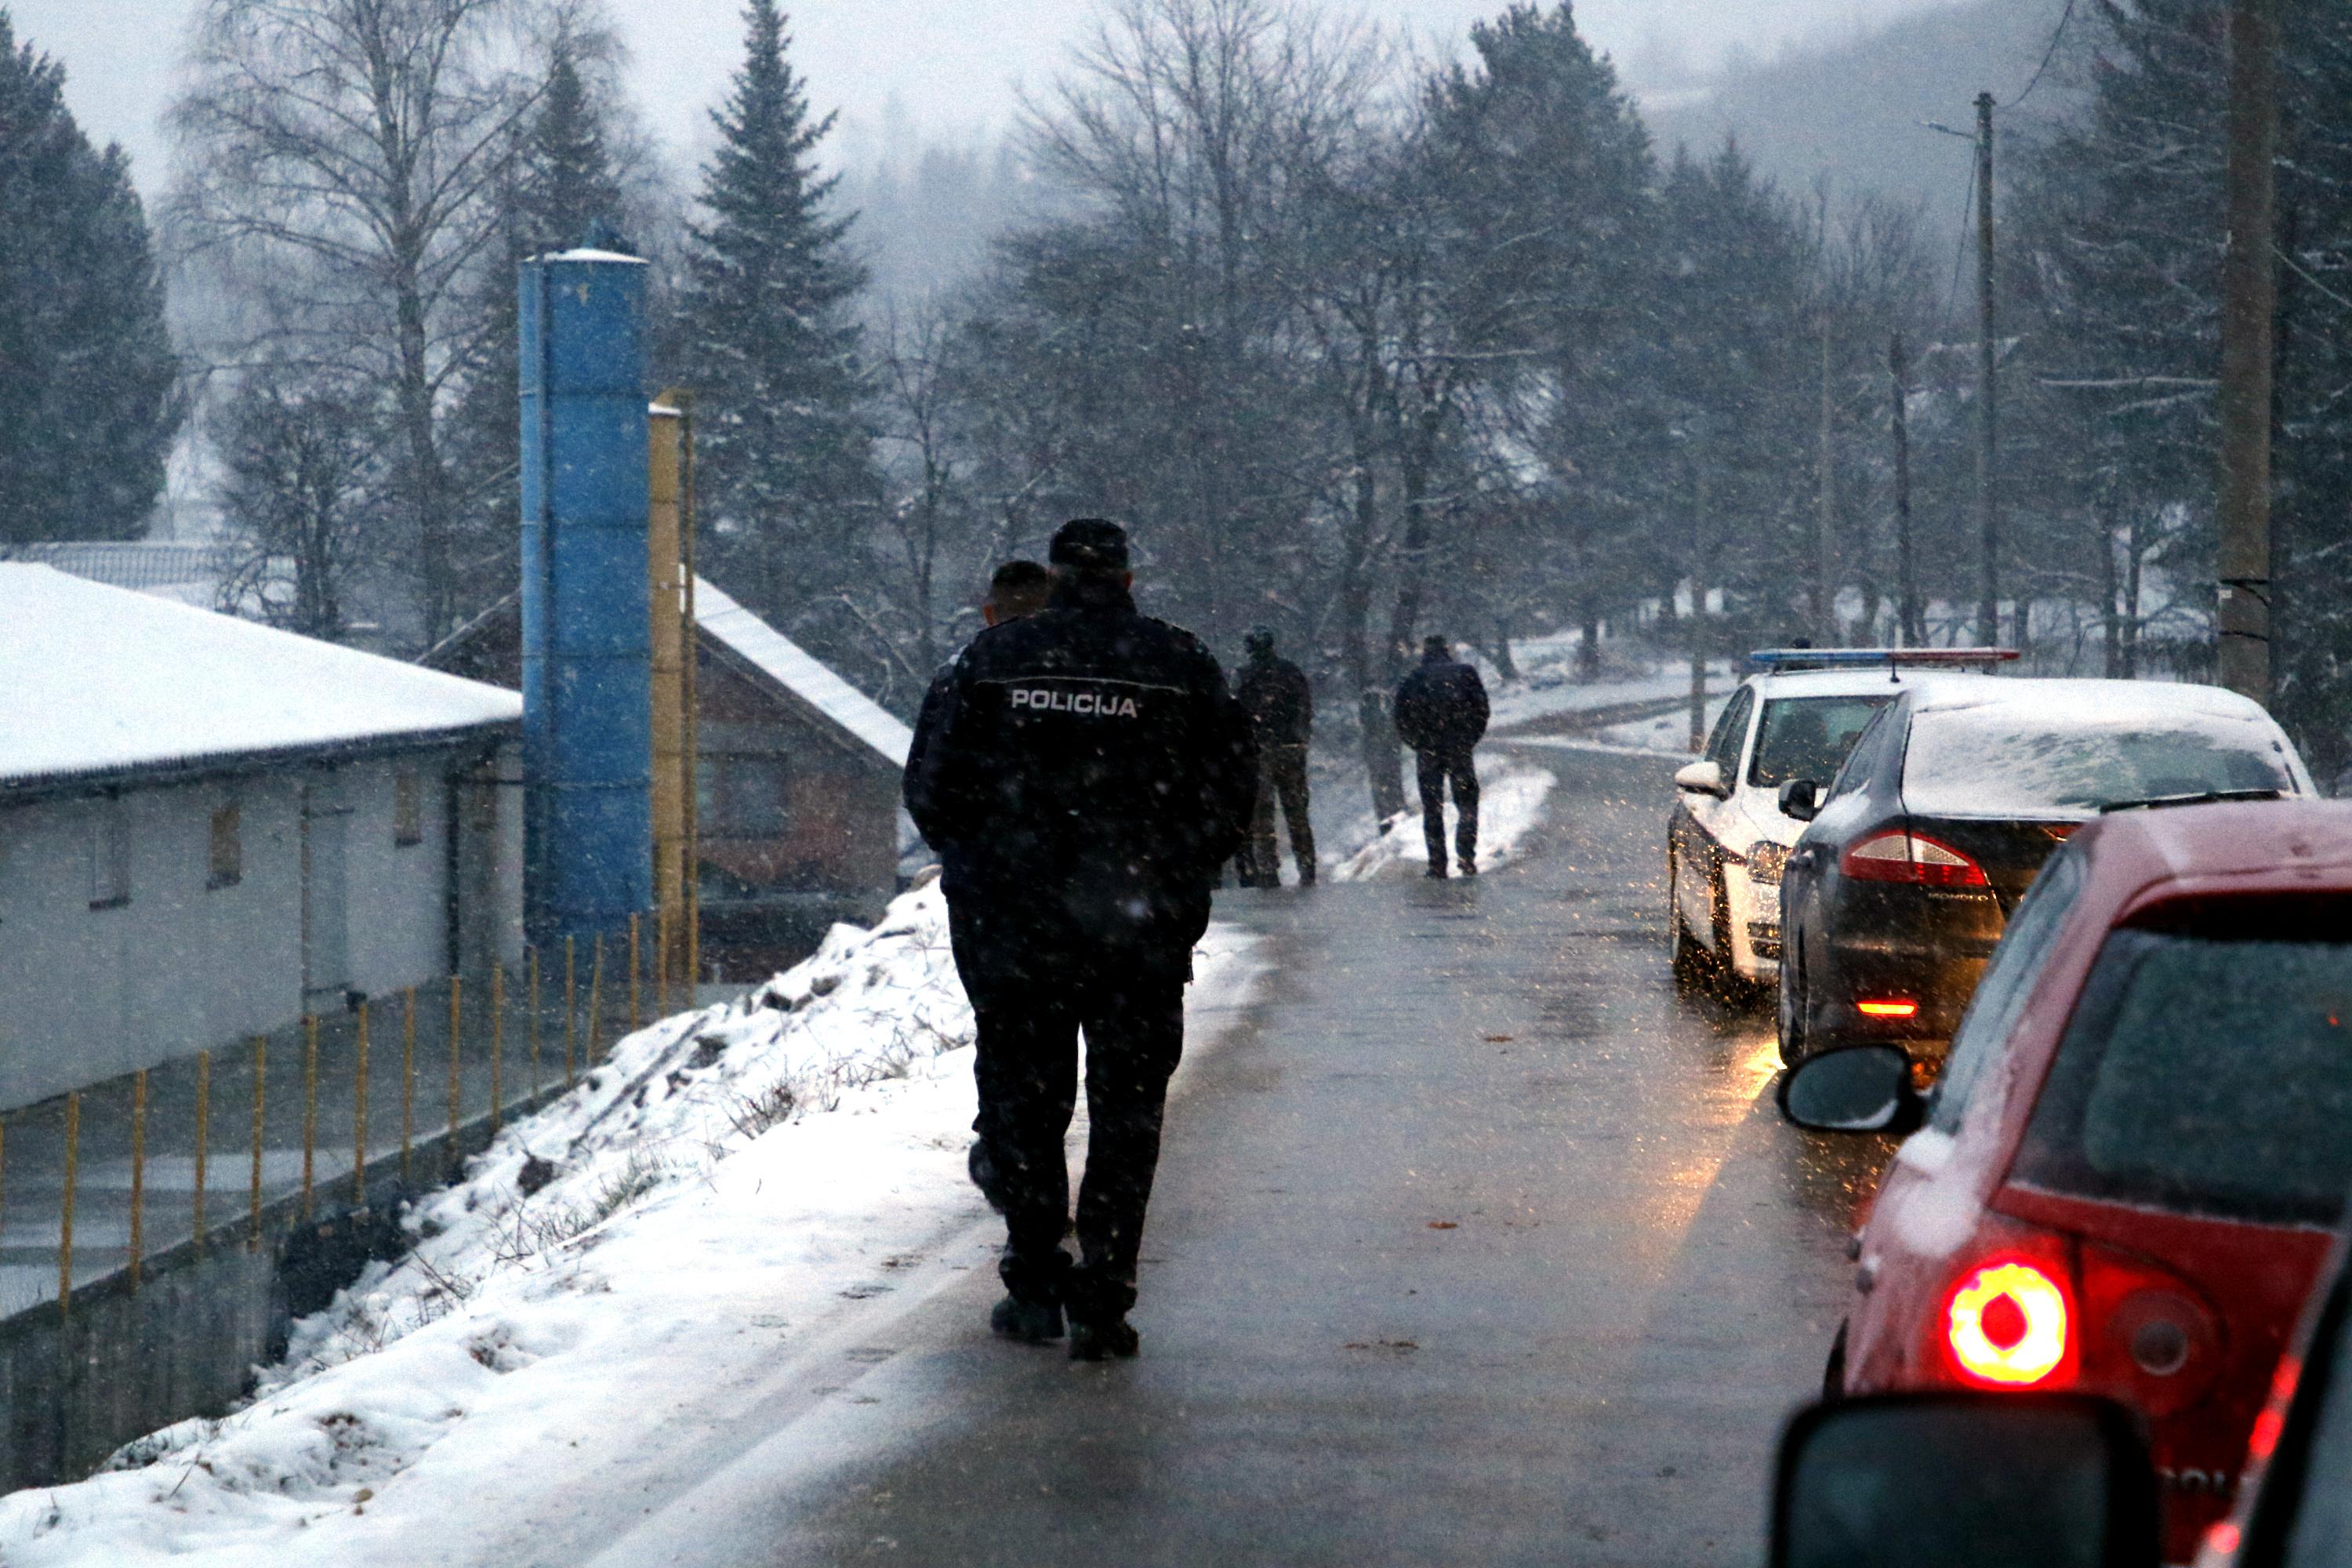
(209, 828)
(797, 782)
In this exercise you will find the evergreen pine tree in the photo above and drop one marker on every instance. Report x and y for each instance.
(87, 414)
(562, 184)
(785, 454)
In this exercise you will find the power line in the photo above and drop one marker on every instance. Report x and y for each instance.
(1960, 251)
(2047, 56)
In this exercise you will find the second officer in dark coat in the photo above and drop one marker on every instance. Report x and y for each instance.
(1281, 705)
(1082, 775)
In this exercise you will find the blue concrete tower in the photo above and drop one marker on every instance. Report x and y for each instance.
(587, 654)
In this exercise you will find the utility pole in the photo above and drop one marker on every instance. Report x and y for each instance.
(1909, 633)
(1988, 427)
(1825, 623)
(2249, 296)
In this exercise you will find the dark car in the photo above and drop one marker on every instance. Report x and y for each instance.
(1942, 814)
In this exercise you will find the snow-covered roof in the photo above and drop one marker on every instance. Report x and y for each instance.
(97, 681)
(798, 671)
(590, 253)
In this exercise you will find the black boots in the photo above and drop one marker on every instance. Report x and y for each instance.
(1030, 1323)
(1098, 1339)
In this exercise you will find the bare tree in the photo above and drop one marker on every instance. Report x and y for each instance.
(359, 142)
(299, 458)
(927, 524)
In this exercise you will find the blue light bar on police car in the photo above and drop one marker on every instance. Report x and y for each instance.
(1784, 659)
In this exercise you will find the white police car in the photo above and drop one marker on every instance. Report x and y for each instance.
(1795, 718)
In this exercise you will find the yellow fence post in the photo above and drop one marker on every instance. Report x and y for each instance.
(310, 1104)
(407, 1078)
(260, 1100)
(65, 1214)
(596, 1000)
(457, 1022)
(571, 1008)
(204, 1142)
(633, 1023)
(497, 1040)
(662, 935)
(138, 1173)
(359, 1113)
(531, 961)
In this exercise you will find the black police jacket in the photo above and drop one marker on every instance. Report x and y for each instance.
(1082, 773)
(1280, 702)
(1442, 706)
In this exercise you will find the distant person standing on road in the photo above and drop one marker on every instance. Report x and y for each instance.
(1082, 776)
(1440, 714)
(1281, 706)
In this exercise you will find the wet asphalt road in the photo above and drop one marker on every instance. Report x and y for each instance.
(1474, 1244)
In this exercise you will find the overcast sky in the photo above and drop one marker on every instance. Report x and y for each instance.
(952, 63)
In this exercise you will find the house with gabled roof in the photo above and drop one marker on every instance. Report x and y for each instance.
(797, 775)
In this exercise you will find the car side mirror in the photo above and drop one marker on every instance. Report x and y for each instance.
(1703, 777)
(1801, 799)
(1961, 1480)
(1862, 1088)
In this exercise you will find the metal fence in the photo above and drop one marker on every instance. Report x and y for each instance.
(104, 1178)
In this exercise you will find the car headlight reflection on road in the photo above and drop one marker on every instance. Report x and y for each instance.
(1766, 862)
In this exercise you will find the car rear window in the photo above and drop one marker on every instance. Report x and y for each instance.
(1809, 737)
(2003, 760)
(2207, 1068)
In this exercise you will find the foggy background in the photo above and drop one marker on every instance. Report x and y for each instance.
(908, 74)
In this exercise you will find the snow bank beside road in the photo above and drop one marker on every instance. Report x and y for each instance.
(731, 1186)
(1511, 802)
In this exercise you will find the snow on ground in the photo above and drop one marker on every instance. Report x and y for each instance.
(1511, 802)
(766, 1170)
(1547, 685)
(1668, 734)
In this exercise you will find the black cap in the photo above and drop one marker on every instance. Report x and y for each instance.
(1090, 542)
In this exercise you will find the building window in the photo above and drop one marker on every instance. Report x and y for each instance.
(110, 858)
(407, 807)
(743, 795)
(226, 869)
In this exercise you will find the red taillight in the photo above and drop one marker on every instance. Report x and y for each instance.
(1896, 856)
(2007, 1324)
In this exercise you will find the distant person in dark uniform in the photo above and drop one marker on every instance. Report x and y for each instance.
(1440, 714)
(1015, 589)
(1281, 705)
(1082, 775)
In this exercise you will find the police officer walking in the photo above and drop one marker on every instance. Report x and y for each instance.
(1440, 714)
(1281, 706)
(1082, 775)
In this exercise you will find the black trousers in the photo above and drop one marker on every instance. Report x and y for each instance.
(1030, 1009)
(1431, 770)
(1282, 777)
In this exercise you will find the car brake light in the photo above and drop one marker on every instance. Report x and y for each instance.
(1889, 1009)
(2006, 1325)
(1896, 856)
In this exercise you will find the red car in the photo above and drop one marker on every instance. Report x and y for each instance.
(2131, 1164)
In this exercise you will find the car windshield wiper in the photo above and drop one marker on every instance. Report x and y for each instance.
(2201, 797)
